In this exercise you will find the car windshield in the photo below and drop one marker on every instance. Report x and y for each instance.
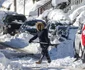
(33, 22)
(30, 23)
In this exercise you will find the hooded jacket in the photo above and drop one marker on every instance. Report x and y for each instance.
(43, 36)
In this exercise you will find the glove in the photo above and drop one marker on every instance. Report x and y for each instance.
(30, 41)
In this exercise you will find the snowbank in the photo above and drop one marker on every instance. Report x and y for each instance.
(21, 43)
(61, 56)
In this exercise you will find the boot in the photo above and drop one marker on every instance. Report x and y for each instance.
(38, 62)
(49, 61)
(48, 58)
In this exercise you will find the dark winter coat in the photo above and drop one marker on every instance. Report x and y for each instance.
(43, 36)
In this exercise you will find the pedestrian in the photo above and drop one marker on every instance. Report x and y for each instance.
(42, 34)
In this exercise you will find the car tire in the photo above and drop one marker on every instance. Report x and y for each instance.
(80, 50)
(76, 55)
(5, 30)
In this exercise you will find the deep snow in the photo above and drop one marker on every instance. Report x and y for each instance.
(62, 56)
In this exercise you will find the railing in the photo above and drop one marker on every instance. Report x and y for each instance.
(73, 2)
(76, 1)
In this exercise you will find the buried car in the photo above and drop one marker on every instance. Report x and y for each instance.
(29, 26)
(12, 23)
(60, 30)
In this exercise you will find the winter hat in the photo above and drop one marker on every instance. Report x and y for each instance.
(40, 26)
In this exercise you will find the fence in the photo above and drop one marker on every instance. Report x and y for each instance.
(73, 2)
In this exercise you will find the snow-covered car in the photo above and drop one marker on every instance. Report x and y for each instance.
(3, 14)
(12, 23)
(56, 18)
(29, 26)
(60, 30)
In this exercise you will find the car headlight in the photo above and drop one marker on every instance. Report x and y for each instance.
(9, 26)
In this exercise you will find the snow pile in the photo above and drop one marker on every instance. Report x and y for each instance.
(6, 3)
(2, 58)
(59, 62)
(39, 4)
(56, 15)
(15, 40)
(6, 64)
(59, 16)
(21, 42)
(61, 55)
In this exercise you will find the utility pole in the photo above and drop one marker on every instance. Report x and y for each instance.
(24, 7)
(15, 7)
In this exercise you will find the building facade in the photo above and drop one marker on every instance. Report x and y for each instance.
(44, 7)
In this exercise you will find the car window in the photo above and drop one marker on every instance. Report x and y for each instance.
(10, 18)
(30, 23)
(33, 22)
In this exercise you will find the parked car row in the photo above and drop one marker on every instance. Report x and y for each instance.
(14, 23)
(18, 23)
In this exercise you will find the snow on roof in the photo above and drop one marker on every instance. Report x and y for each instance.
(42, 2)
(45, 14)
(1, 2)
(39, 4)
(6, 3)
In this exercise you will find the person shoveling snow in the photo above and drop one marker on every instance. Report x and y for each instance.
(43, 37)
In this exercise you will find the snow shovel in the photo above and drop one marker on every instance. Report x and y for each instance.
(47, 43)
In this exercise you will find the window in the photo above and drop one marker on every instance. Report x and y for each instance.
(35, 1)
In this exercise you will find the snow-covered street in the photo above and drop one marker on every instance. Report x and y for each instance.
(16, 53)
(62, 56)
